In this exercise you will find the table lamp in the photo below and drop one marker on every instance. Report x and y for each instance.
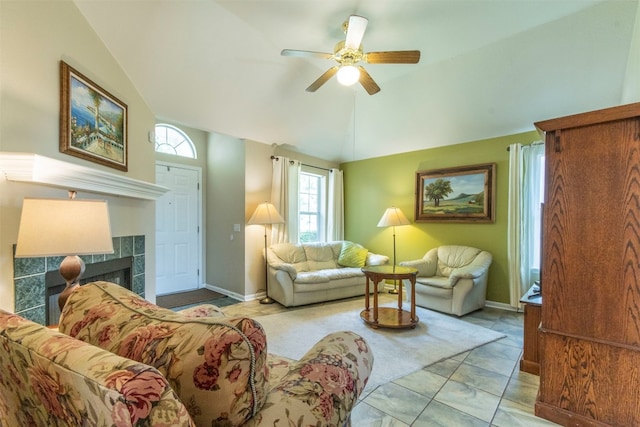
(56, 227)
(393, 217)
(266, 214)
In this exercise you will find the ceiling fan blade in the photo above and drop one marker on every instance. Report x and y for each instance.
(393, 57)
(355, 31)
(367, 82)
(306, 54)
(322, 79)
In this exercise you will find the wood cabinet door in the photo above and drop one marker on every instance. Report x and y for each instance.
(592, 232)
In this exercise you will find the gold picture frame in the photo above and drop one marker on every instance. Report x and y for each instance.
(459, 194)
(93, 122)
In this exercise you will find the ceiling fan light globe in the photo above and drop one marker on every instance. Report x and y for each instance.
(348, 75)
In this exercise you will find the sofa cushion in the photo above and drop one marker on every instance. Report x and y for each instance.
(328, 274)
(342, 273)
(312, 277)
(217, 366)
(320, 256)
(435, 281)
(352, 255)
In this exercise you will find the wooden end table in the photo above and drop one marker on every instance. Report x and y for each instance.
(389, 317)
(530, 361)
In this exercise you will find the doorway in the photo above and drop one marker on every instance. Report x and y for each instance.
(178, 225)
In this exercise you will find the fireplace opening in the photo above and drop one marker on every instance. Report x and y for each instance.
(116, 271)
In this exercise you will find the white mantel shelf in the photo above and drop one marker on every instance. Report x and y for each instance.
(36, 169)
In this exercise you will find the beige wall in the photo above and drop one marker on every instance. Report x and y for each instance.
(34, 37)
(258, 190)
(225, 207)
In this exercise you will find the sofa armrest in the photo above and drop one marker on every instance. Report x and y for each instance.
(217, 365)
(466, 272)
(473, 271)
(323, 387)
(376, 259)
(53, 379)
(425, 267)
(289, 268)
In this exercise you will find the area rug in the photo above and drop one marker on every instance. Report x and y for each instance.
(397, 352)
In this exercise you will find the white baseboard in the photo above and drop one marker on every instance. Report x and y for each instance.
(500, 306)
(388, 286)
(232, 294)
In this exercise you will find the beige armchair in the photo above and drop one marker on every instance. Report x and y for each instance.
(451, 279)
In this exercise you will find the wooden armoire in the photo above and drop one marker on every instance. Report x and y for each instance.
(590, 327)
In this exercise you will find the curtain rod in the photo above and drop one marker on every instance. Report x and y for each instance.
(533, 143)
(303, 164)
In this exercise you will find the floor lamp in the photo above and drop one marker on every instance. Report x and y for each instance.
(393, 217)
(266, 214)
(56, 227)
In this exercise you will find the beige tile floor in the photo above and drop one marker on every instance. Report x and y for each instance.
(482, 387)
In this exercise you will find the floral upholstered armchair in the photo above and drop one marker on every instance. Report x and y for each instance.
(50, 379)
(219, 367)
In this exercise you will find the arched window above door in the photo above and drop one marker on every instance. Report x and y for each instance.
(171, 140)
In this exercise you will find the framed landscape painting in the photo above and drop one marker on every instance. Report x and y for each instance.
(93, 123)
(460, 194)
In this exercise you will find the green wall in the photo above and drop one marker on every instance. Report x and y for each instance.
(373, 185)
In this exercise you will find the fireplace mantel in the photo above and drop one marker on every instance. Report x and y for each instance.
(33, 168)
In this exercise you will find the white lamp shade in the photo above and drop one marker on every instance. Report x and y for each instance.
(56, 227)
(392, 217)
(266, 213)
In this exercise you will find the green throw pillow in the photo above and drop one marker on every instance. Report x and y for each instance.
(352, 255)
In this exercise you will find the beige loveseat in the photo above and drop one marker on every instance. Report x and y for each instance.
(119, 360)
(308, 273)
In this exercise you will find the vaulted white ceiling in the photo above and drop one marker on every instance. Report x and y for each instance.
(488, 67)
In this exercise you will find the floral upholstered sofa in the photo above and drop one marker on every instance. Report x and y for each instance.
(119, 360)
(309, 273)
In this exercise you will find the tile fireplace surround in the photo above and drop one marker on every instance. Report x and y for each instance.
(29, 275)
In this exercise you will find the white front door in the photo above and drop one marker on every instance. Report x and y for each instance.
(177, 229)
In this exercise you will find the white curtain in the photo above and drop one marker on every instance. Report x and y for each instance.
(284, 196)
(335, 208)
(514, 215)
(526, 180)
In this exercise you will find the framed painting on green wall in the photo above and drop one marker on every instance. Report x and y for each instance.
(459, 194)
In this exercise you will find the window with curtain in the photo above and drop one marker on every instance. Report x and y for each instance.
(311, 206)
(310, 199)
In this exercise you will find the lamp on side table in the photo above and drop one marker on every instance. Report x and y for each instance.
(393, 217)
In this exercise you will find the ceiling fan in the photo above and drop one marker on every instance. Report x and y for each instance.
(348, 54)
